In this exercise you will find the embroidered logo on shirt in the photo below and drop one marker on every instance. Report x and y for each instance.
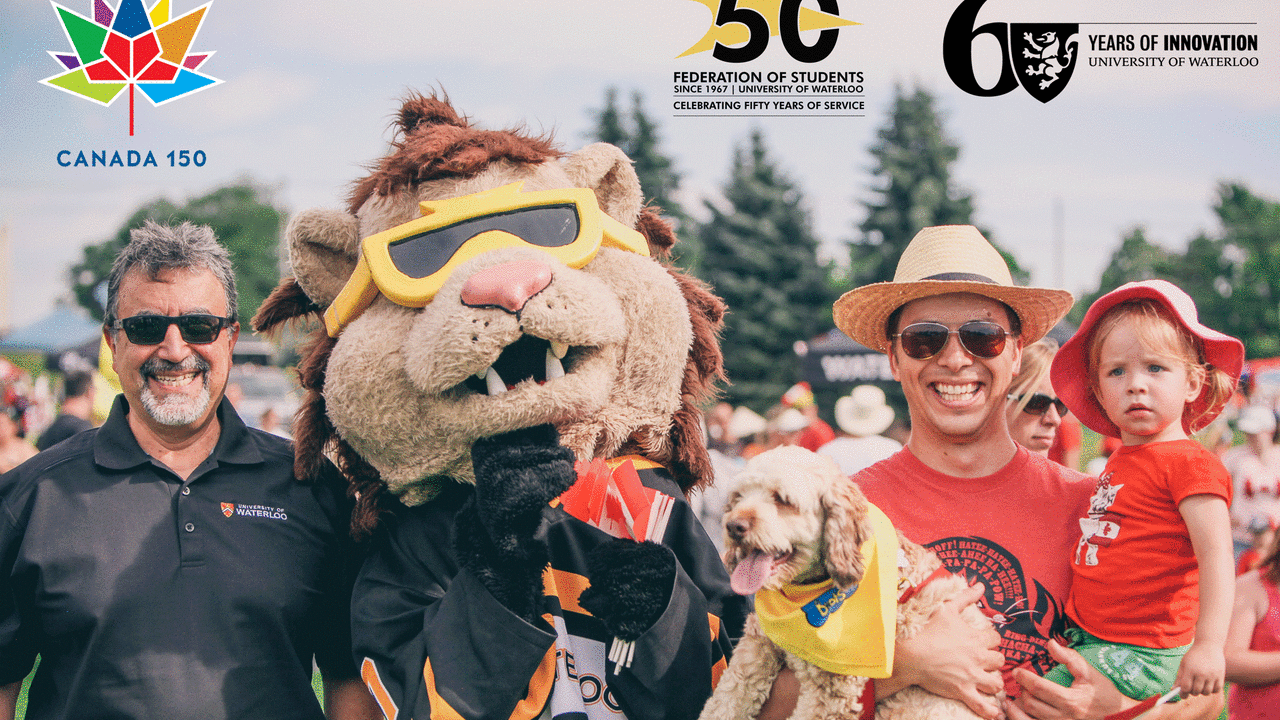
(262, 511)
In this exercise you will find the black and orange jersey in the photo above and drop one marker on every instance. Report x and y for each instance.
(433, 642)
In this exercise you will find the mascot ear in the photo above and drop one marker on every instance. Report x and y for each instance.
(322, 249)
(607, 170)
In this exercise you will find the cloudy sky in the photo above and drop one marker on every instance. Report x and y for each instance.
(309, 88)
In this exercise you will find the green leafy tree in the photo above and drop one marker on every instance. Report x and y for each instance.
(760, 255)
(1136, 259)
(243, 217)
(913, 158)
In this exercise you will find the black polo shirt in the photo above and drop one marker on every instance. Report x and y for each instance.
(150, 597)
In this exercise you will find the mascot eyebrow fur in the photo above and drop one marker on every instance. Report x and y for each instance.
(456, 486)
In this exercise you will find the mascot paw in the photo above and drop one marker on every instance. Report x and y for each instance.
(630, 585)
(517, 475)
(513, 575)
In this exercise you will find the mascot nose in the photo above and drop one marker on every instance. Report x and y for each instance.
(508, 286)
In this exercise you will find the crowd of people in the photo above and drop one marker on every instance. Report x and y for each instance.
(1153, 567)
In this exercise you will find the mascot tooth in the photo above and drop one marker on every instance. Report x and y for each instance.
(503, 345)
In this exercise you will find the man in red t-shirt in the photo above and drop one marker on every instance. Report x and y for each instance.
(953, 325)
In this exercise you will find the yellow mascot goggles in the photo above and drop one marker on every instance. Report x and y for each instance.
(409, 263)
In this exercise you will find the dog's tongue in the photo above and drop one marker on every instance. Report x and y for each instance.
(751, 573)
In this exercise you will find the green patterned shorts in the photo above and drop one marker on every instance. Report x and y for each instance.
(1138, 672)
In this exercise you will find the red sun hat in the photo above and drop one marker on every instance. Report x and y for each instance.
(1068, 373)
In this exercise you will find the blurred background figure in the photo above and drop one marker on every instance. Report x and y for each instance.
(1033, 408)
(76, 412)
(1255, 475)
(861, 416)
(816, 431)
(720, 430)
(14, 450)
(783, 426)
(269, 421)
(1253, 641)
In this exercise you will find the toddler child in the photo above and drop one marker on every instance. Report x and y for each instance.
(1157, 536)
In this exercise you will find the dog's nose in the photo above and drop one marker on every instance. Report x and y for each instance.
(737, 528)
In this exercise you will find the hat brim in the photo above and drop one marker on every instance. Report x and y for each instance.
(873, 424)
(1069, 372)
(862, 313)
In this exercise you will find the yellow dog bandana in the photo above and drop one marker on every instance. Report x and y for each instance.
(845, 632)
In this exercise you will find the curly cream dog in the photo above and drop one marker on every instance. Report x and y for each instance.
(793, 518)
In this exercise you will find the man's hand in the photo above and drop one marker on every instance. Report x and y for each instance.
(1202, 670)
(951, 658)
(1091, 695)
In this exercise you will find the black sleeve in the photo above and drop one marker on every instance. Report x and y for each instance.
(333, 627)
(426, 632)
(17, 639)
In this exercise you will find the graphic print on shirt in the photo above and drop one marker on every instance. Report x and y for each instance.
(1100, 526)
(1024, 620)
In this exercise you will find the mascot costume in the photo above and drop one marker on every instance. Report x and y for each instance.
(509, 375)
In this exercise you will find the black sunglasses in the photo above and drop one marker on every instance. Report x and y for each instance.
(1039, 404)
(978, 337)
(197, 329)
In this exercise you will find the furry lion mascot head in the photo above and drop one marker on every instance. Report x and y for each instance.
(494, 310)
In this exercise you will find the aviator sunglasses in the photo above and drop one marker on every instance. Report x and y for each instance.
(197, 329)
(1039, 404)
(978, 337)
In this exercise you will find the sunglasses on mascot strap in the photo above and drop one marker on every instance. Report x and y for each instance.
(410, 262)
(979, 338)
(1038, 404)
(196, 328)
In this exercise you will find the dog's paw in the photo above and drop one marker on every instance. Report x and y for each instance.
(631, 585)
(517, 475)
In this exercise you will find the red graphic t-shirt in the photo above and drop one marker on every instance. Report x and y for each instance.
(1136, 578)
(1013, 531)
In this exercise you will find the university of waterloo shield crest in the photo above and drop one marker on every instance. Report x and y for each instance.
(1043, 54)
(228, 509)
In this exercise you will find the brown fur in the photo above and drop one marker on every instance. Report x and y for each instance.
(434, 141)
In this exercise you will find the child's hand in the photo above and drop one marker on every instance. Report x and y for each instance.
(1202, 670)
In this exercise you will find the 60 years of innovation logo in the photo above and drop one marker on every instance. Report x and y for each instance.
(131, 47)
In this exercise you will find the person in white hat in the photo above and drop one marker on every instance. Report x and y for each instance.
(861, 415)
(953, 324)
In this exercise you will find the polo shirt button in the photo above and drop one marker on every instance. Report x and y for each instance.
(186, 491)
(190, 527)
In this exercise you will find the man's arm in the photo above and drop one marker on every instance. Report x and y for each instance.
(1092, 696)
(9, 699)
(346, 699)
(947, 657)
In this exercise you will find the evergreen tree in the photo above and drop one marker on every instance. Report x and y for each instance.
(913, 157)
(243, 218)
(760, 255)
(637, 135)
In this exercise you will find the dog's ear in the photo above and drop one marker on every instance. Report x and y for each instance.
(846, 528)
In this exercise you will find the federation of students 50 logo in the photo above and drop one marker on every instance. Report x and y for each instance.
(1039, 56)
(741, 29)
(131, 47)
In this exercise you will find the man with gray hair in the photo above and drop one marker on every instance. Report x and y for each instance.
(169, 564)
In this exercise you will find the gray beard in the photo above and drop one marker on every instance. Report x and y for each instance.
(175, 410)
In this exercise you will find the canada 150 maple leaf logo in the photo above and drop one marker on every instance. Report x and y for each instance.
(129, 47)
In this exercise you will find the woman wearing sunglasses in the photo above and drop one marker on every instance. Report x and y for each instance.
(1033, 408)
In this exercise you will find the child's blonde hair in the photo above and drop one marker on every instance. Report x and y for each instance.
(1160, 332)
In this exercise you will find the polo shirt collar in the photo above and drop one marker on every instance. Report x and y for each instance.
(116, 448)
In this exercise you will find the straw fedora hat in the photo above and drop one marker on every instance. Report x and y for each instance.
(864, 411)
(940, 260)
